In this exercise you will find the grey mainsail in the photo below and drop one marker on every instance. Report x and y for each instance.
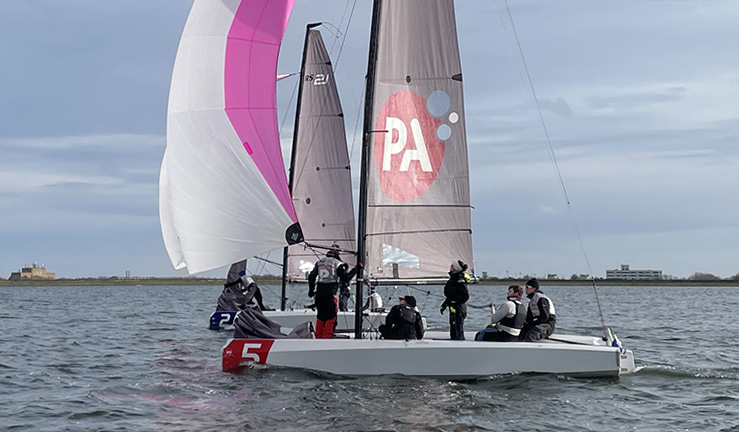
(320, 177)
(418, 193)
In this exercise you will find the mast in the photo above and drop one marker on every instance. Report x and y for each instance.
(285, 254)
(364, 173)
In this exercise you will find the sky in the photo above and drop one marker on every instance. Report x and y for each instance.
(640, 100)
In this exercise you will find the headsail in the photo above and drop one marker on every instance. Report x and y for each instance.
(418, 194)
(320, 175)
(223, 192)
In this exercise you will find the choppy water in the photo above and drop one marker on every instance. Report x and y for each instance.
(142, 358)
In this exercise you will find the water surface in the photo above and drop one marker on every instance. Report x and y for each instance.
(142, 358)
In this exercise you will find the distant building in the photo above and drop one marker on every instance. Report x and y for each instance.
(626, 273)
(34, 272)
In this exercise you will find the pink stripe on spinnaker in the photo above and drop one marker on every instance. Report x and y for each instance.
(250, 90)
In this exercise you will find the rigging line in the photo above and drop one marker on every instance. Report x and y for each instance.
(556, 167)
(511, 53)
(324, 101)
(312, 248)
(360, 108)
(261, 287)
(338, 58)
(338, 30)
(421, 290)
(360, 105)
(391, 296)
(262, 264)
(290, 103)
(343, 39)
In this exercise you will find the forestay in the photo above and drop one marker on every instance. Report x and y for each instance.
(223, 192)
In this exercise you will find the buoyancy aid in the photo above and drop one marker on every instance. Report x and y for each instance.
(513, 323)
(327, 267)
(536, 313)
(405, 326)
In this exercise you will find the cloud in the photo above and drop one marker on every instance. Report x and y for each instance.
(88, 182)
(639, 100)
(558, 106)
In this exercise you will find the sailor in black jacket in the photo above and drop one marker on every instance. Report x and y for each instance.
(541, 317)
(456, 294)
(403, 321)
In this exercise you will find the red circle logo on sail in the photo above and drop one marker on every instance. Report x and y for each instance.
(409, 154)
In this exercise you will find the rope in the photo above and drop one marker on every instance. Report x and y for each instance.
(553, 158)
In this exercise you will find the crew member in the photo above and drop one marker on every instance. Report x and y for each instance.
(508, 320)
(329, 272)
(540, 318)
(403, 321)
(374, 301)
(456, 293)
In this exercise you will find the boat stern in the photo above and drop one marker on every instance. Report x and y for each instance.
(240, 352)
(626, 362)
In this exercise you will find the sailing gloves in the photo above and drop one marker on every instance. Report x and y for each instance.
(452, 309)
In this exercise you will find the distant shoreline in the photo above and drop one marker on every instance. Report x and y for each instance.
(274, 281)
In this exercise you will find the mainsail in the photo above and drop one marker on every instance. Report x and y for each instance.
(223, 192)
(416, 179)
(320, 176)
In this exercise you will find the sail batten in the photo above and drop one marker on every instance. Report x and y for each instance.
(223, 188)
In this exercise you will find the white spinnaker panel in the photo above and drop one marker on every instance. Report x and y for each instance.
(215, 206)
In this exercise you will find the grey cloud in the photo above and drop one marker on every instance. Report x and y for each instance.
(634, 100)
(558, 106)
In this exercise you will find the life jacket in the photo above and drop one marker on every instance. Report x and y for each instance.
(327, 270)
(534, 307)
(513, 325)
(405, 327)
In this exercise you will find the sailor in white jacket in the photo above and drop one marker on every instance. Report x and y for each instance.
(508, 320)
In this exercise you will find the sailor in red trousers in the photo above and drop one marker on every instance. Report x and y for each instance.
(329, 272)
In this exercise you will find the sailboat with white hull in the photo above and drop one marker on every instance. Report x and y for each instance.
(414, 216)
(224, 193)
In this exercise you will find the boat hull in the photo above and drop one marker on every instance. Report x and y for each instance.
(432, 357)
